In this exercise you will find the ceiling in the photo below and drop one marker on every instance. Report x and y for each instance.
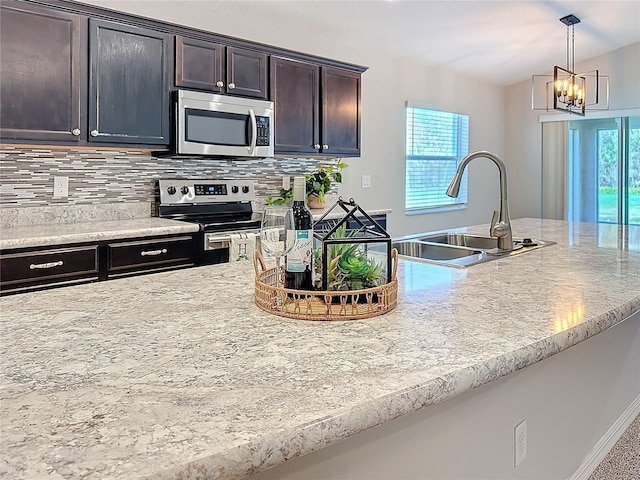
(502, 42)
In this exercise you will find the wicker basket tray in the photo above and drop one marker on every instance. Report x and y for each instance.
(323, 305)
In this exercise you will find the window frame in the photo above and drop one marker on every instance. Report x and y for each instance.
(458, 139)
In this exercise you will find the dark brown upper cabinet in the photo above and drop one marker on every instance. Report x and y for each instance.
(341, 114)
(40, 68)
(295, 92)
(317, 108)
(75, 74)
(128, 84)
(216, 68)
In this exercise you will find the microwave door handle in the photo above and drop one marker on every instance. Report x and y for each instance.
(254, 131)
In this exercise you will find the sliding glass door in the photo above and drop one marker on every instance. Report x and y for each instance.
(603, 174)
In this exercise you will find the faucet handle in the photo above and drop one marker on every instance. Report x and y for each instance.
(494, 221)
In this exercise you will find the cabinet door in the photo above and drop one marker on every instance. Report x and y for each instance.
(22, 270)
(141, 255)
(246, 73)
(40, 69)
(199, 64)
(295, 93)
(340, 112)
(128, 84)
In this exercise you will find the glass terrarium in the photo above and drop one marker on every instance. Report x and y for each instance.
(351, 251)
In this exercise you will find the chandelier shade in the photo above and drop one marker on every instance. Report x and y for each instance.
(566, 90)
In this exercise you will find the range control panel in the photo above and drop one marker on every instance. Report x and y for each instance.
(177, 190)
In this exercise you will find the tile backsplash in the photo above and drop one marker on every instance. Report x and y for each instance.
(116, 181)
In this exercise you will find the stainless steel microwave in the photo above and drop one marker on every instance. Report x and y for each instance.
(220, 125)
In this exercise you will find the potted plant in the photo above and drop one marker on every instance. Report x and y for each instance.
(348, 266)
(318, 183)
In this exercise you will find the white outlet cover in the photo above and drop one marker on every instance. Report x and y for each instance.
(60, 187)
(520, 443)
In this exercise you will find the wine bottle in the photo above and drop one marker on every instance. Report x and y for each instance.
(299, 261)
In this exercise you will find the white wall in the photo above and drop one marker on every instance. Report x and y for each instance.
(386, 86)
(523, 140)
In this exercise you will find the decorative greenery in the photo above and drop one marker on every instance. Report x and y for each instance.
(283, 196)
(318, 183)
(348, 266)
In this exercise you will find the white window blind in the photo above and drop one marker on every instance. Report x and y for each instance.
(436, 142)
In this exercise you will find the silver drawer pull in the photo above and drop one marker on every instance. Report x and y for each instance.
(33, 266)
(153, 252)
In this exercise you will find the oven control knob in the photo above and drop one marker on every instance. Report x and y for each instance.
(184, 190)
(234, 189)
(245, 189)
(171, 190)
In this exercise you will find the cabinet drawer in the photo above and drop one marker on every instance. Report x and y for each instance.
(48, 265)
(143, 254)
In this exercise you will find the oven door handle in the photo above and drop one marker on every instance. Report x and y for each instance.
(221, 242)
(254, 131)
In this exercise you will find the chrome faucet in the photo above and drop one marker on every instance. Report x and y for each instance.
(500, 222)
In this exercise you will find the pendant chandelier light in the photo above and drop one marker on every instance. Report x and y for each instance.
(568, 91)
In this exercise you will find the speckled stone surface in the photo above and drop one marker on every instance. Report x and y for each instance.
(64, 233)
(178, 375)
(55, 214)
(41, 227)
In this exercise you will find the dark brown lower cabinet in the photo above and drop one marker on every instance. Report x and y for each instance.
(36, 268)
(125, 257)
(19, 271)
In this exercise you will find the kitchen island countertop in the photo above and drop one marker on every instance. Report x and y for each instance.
(179, 374)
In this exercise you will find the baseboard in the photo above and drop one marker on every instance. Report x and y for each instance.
(606, 443)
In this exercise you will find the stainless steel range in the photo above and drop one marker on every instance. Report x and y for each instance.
(221, 207)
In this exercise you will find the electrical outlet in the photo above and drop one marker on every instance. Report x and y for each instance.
(366, 181)
(286, 182)
(60, 187)
(520, 443)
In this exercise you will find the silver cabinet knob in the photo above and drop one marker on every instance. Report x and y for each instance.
(220, 83)
(232, 86)
(94, 133)
(76, 132)
(316, 146)
(325, 146)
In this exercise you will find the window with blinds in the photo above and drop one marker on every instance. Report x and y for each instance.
(436, 142)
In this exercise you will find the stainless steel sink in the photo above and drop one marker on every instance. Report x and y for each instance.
(432, 251)
(462, 240)
(460, 250)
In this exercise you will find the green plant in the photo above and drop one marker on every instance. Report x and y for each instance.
(283, 196)
(348, 266)
(318, 183)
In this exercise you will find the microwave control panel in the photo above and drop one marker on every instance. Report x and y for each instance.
(262, 134)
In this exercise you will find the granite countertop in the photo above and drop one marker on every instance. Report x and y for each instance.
(64, 233)
(47, 234)
(179, 375)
